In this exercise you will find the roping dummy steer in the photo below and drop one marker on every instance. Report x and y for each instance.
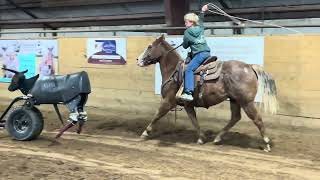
(71, 90)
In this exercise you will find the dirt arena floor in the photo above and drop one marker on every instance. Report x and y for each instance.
(110, 148)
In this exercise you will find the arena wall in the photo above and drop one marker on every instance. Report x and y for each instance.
(292, 60)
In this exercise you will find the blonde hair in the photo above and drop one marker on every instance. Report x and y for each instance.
(192, 17)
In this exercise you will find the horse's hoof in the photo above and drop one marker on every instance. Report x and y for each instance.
(267, 148)
(217, 141)
(144, 135)
(200, 142)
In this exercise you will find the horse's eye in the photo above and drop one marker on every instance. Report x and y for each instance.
(149, 47)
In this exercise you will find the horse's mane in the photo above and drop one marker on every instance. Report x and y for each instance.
(168, 47)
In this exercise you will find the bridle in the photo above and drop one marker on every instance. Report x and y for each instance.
(175, 70)
(155, 60)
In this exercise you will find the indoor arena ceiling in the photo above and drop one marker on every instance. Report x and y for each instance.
(53, 14)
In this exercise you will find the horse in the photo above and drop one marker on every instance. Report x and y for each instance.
(237, 81)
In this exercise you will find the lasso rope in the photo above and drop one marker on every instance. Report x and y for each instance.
(236, 19)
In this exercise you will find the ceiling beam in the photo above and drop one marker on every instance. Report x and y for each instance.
(283, 12)
(224, 4)
(149, 29)
(64, 3)
(84, 19)
(174, 13)
(28, 13)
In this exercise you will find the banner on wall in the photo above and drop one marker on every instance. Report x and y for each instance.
(246, 49)
(107, 51)
(36, 56)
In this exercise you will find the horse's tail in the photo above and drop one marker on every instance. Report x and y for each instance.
(267, 87)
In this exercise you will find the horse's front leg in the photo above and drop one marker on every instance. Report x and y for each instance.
(164, 108)
(193, 116)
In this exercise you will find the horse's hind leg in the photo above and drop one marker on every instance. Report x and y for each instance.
(193, 116)
(164, 108)
(235, 117)
(253, 114)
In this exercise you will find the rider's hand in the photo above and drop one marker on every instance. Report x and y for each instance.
(204, 8)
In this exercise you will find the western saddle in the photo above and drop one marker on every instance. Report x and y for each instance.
(210, 69)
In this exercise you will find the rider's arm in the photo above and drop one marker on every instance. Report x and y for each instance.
(201, 15)
(201, 18)
(185, 43)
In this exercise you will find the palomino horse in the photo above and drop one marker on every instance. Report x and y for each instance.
(238, 81)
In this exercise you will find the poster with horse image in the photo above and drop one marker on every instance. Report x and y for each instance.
(107, 51)
(36, 56)
(246, 49)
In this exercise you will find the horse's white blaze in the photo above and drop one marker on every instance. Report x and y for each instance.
(140, 58)
(245, 70)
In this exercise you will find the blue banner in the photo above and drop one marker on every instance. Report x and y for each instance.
(27, 62)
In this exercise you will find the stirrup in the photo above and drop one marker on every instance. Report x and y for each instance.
(187, 97)
(180, 91)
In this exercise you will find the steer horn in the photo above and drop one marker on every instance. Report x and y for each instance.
(11, 70)
(24, 71)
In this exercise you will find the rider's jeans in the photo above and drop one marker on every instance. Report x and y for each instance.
(197, 60)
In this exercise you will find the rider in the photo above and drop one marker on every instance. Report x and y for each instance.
(194, 38)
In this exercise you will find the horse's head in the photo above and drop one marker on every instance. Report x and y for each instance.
(152, 54)
(17, 80)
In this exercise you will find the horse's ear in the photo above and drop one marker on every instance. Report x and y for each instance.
(162, 37)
